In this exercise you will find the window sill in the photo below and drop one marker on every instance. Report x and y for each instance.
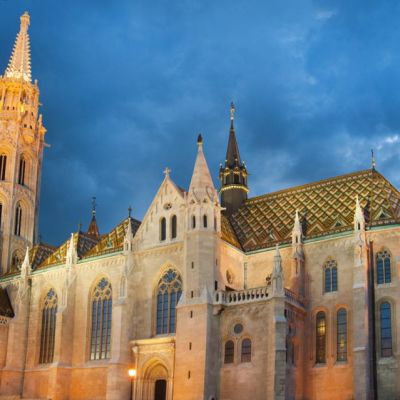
(385, 285)
(320, 365)
(387, 360)
(341, 364)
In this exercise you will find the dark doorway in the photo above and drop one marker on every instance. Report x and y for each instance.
(160, 392)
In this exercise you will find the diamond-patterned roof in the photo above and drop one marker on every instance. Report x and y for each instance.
(39, 253)
(113, 241)
(325, 207)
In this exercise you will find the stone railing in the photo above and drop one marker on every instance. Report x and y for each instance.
(241, 296)
(292, 297)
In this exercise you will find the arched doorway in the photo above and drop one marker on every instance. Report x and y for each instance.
(156, 384)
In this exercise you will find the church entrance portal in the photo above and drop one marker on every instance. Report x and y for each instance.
(160, 389)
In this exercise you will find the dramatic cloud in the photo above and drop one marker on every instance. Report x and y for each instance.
(127, 85)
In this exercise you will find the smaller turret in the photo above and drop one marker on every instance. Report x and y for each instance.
(233, 175)
(277, 275)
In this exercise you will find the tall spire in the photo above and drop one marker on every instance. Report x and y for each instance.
(233, 175)
(19, 66)
(232, 152)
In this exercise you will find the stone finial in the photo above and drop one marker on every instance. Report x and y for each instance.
(277, 274)
(359, 219)
(26, 265)
(72, 255)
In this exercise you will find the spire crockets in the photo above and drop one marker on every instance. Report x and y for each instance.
(19, 66)
(93, 229)
(233, 175)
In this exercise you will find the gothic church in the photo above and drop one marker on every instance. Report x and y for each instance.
(213, 295)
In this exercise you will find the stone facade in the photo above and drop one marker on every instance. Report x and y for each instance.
(204, 303)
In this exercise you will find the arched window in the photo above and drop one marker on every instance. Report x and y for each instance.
(330, 276)
(341, 335)
(386, 329)
(169, 291)
(163, 229)
(205, 221)
(229, 352)
(1, 214)
(246, 351)
(21, 172)
(320, 345)
(173, 227)
(3, 165)
(48, 331)
(100, 338)
(193, 222)
(18, 220)
(384, 274)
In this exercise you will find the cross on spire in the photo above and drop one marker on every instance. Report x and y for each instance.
(373, 161)
(129, 211)
(232, 111)
(94, 204)
(167, 172)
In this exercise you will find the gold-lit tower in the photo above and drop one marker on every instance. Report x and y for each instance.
(21, 150)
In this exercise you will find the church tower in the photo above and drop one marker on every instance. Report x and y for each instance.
(233, 175)
(21, 151)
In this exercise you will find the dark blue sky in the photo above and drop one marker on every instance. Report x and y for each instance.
(127, 85)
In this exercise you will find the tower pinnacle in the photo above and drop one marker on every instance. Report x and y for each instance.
(19, 66)
(233, 175)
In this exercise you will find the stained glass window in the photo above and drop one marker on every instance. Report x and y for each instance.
(101, 313)
(47, 335)
(330, 276)
(320, 337)
(169, 291)
(386, 330)
(383, 267)
(342, 335)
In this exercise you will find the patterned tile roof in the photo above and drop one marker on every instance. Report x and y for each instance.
(227, 232)
(325, 207)
(113, 241)
(83, 243)
(38, 253)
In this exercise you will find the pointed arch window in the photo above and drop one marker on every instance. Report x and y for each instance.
(383, 268)
(18, 220)
(386, 329)
(246, 351)
(169, 291)
(3, 165)
(163, 229)
(205, 222)
(229, 353)
(1, 215)
(341, 335)
(174, 227)
(100, 338)
(320, 345)
(49, 312)
(330, 276)
(193, 222)
(21, 171)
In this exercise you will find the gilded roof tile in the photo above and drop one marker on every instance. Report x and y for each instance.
(325, 207)
(113, 241)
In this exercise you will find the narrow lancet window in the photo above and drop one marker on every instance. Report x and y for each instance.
(18, 220)
(330, 276)
(100, 338)
(342, 335)
(229, 352)
(173, 227)
(320, 338)
(49, 311)
(246, 351)
(193, 222)
(163, 229)
(3, 165)
(205, 222)
(386, 329)
(21, 172)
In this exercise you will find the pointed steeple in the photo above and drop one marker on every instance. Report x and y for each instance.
(128, 238)
(72, 255)
(19, 66)
(359, 220)
(93, 229)
(232, 158)
(201, 178)
(297, 238)
(233, 175)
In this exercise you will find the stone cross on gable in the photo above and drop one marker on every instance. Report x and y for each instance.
(167, 172)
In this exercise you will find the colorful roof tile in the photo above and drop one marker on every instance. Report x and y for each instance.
(325, 207)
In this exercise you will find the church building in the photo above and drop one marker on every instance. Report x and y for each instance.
(214, 295)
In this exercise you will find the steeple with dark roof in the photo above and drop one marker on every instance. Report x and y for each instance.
(93, 229)
(233, 175)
